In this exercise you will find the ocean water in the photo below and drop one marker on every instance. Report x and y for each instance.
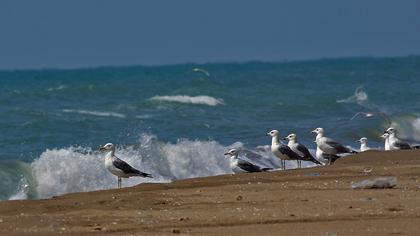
(176, 122)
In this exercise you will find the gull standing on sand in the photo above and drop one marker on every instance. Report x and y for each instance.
(329, 146)
(283, 152)
(119, 167)
(325, 158)
(300, 149)
(385, 136)
(363, 144)
(394, 142)
(242, 166)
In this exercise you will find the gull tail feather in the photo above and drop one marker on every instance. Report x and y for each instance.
(144, 175)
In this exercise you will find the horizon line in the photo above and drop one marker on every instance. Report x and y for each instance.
(285, 61)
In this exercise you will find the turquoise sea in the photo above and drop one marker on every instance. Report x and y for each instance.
(176, 122)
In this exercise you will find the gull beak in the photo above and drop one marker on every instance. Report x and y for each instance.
(267, 134)
(313, 131)
(226, 153)
(358, 141)
(285, 138)
(101, 148)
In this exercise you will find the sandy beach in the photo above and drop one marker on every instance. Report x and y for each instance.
(312, 201)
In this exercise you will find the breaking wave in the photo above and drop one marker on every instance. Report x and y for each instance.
(201, 100)
(81, 169)
(95, 113)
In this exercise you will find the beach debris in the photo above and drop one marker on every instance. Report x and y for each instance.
(176, 231)
(312, 174)
(367, 170)
(381, 182)
(330, 234)
(367, 199)
(239, 198)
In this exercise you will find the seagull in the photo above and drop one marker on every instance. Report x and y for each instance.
(202, 71)
(329, 146)
(325, 158)
(300, 149)
(363, 144)
(385, 136)
(280, 150)
(242, 166)
(119, 167)
(371, 114)
(394, 142)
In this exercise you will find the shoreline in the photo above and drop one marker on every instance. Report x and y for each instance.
(310, 201)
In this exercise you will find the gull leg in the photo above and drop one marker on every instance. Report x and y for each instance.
(119, 182)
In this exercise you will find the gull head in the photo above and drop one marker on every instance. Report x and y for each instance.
(362, 140)
(291, 137)
(318, 131)
(231, 152)
(390, 130)
(107, 147)
(273, 133)
(384, 135)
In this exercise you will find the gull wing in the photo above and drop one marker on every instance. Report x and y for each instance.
(307, 155)
(338, 146)
(249, 167)
(402, 145)
(127, 169)
(285, 150)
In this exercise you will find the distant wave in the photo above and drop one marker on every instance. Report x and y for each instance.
(203, 100)
(95, 113)
(61, 87)
(361, 98)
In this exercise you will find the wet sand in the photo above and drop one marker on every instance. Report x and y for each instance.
(312, 201)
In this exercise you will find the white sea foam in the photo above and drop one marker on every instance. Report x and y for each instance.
(78, 169)
(360, 97)
(61, 87)
(202, 100)
(416, 129)
(408, 127)
(95, 113)
(22, 191)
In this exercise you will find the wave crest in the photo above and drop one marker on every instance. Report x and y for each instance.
(202, 100)
(79, 169)
(95, 113)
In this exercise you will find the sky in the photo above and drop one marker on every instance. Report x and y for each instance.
(90, 33)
